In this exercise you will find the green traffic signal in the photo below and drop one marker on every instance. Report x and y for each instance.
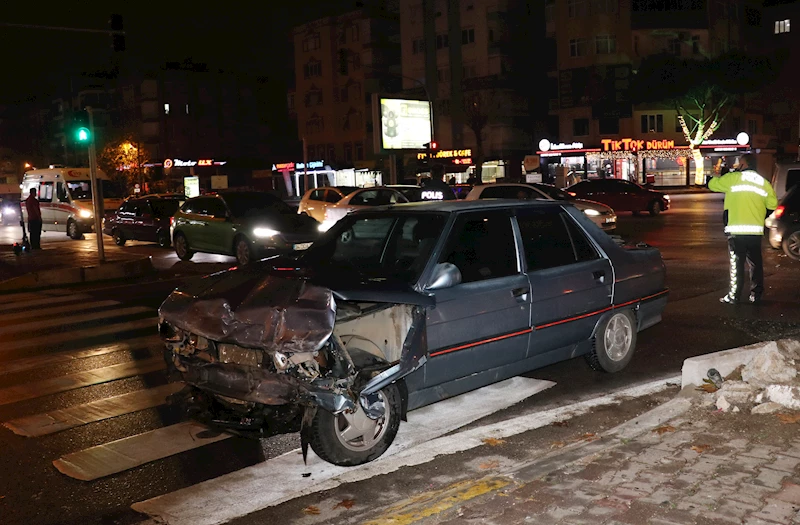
(82, 134)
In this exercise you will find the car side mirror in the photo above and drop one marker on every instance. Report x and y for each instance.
(445, 275)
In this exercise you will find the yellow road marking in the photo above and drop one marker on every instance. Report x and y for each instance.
(425, 505)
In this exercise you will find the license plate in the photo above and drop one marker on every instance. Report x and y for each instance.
(611, 219)
(302, 246)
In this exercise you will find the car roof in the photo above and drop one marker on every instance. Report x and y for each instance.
(454, 206)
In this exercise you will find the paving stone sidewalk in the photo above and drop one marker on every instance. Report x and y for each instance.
(703, 467)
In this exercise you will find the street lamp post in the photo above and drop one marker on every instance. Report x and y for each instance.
(97, 202)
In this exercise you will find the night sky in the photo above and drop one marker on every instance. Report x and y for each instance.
(253, 38)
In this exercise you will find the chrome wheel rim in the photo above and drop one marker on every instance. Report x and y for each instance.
(242, 253)
(73, 229)
(618, 336)
(180, 245)
(347, 236)
(793, 244)
(357, 432)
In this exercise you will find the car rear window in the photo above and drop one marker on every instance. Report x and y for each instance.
(165, 208)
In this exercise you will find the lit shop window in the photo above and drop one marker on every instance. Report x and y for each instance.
(782, 26)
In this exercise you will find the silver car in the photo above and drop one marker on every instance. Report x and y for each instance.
(398, 307)
(599, 214)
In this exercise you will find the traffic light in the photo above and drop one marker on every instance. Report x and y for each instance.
(80, 127)
(117, 39)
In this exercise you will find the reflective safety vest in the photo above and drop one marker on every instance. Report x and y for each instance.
(748, 196)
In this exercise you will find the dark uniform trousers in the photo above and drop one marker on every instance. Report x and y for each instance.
(741, 248)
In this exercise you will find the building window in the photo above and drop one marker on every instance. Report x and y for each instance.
(580, 127)
(577, 8)
(442, 41)
(695, 45)
(290, 101)
(348, 152)
(469, 71)
(359, 151)
(752, 127)
(344, 97)
(311, 42)
(549, 11)
(354, 33)
(312, 69)
(315, 124)
(313, 98)
(331, 153)
(604, 7)
(356, 59)
(443, 74)
(653, 123)
(609, 126)
(782, 26)
(674, 47)
(578, 47)
(468, 36)
(737, 124)
(605, 44)
(418, 46)
(166, 109)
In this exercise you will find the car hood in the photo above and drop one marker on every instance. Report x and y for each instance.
(275, 304)
(583, 204)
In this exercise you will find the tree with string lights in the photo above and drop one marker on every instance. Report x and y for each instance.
(702, 91)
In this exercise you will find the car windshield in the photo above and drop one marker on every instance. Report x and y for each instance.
(254, 204)
(554, 192)
(82, 190)
(378, 246)
(165, 207)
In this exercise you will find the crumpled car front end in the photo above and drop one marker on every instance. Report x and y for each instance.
(272, 352)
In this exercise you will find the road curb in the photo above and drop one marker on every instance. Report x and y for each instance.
(695, 369)
(66, 276)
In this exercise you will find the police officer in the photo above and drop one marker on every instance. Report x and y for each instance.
(749, 199)
(435, 188)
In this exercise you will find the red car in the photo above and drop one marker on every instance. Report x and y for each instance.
(621, 195)
(143, 219)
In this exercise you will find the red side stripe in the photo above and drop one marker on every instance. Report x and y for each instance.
(476, 343)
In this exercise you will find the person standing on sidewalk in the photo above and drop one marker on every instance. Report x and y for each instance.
(749, 199)
(34, 220)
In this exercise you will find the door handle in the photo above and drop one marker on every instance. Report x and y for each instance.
(599, 276)
(521, 292)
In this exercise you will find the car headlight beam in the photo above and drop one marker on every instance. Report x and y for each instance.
(85, 214)
(591, 213)
(265, 232)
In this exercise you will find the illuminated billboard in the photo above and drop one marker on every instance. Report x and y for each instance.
(405, 124)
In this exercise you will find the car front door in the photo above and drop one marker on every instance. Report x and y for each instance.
(571, 282)
(125, 217)
(219, 229)
(144, 224)
(315, 205)
(45, 195)
(193, 223)
(483, 322)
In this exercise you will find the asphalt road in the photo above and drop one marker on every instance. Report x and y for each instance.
(33, 492)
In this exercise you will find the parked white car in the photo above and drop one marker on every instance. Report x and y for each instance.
(363, 198)
(316, 201)
(600, 214)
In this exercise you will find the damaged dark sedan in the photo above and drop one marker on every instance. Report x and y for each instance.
(401, 306)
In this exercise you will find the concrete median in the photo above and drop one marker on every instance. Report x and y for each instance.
(65, 276)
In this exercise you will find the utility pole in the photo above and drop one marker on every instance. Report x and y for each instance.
(97, 196)
(305, 169)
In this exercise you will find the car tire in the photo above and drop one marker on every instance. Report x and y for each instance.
(370, 438)
(347, 236)
(243, 250)
(654, 208)
(791, 245)
(163, 239)
(182, 249)
(614, 342)
(119, 239)
(74, 230)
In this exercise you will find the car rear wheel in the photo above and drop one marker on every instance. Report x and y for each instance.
(352, 439)
(74, 230)
(182, 247)
(654, 208)
(119, 239)
(614, 343)
(791, 245)
(163, 239)
(244, 251)
(347, 236)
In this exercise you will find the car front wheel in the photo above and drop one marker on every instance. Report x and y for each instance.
(614, 343)
(791, 245)
(182, 247)
(349, 439)
(655, 208)
(119, 239)
(244, 251)
(74, 230)
(163, 239)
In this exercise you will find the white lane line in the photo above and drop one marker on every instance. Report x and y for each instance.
(39, 301)
(13, 394)
(60, 338)
(36, 326)
(124, 454)
(281, 479)
(47, 360)
(58, 420)
(23, 296)
(46, 312)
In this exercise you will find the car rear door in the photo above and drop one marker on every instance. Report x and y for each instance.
(219, 230)
(144, 224)
(483, 322)
(125, 218)
(571, 282)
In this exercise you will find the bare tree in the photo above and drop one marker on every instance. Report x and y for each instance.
(480, 108)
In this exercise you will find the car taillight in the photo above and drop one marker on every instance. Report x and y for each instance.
(779, 211)
(172, 221)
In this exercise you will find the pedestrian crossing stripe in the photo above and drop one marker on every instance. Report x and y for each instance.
(79, 415)
(62, 338)
(72, 320)
(58, 310)
(37, 300)
(25, 296)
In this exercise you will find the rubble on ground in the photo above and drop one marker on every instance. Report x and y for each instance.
(769, 383)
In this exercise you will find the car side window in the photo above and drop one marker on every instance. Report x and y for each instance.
(365, 198)
(545, 239)
(317, 195)
(482, 246)
(216, 208)
(45, 192)
(792, 178)
(61, 192)
(332, 196)
(143, 208)
(584, 249)
(189, 206)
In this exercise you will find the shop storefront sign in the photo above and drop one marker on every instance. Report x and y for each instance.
(284, 166)
(546, 145)
(634, 145)
(461, 157)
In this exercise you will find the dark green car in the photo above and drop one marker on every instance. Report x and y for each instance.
(247, 225)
